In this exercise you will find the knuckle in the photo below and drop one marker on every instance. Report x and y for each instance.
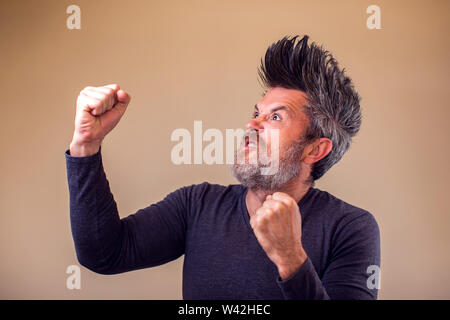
(113, 87)
(259, 218)
(268, 213)
(261, 221)
(104, 98)
(278, 206)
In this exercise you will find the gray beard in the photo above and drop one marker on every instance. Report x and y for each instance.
(249, 174)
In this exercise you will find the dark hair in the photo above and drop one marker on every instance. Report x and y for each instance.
(333, 104)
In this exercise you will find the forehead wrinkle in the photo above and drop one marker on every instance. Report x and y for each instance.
(293, 99)
(280, 107)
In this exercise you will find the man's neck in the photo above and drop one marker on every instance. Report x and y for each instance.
(255, 198)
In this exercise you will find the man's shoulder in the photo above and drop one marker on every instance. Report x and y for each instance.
(339, 210)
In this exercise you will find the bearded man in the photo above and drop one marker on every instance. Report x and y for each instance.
(273, 236)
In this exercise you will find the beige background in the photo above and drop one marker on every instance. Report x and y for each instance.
(197, 60)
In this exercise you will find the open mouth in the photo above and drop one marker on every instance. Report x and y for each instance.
(250, 143)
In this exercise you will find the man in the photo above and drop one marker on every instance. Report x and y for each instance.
(270, 237)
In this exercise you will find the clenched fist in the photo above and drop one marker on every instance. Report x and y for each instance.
(277, 226)
(99, 109)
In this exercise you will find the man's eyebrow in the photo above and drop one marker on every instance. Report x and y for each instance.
(274, 109)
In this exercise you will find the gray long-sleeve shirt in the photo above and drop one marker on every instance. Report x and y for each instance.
(209, 224)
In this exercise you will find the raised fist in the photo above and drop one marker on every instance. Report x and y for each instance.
(99, 109)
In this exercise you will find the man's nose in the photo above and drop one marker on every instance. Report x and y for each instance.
(256, 124)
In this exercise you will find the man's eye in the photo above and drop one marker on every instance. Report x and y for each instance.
(276, 117)
(255, 115)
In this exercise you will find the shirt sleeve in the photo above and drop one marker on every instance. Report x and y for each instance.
(106, 244)
(354, 261)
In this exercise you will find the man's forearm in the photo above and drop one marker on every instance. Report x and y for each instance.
(94, 218)
(304, 284)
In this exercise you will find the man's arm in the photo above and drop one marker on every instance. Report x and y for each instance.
(356, 247)
(106, 244)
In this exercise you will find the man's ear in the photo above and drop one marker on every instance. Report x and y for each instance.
(317, 150)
